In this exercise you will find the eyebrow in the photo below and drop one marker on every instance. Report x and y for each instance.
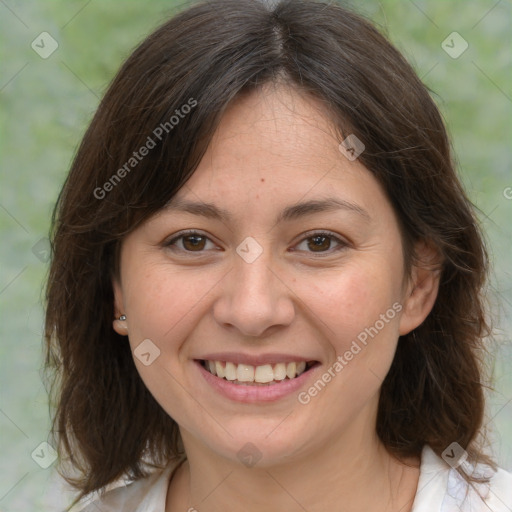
(291, 212)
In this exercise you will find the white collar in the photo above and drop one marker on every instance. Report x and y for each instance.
(440, 489)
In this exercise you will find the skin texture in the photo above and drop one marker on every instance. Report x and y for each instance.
(274, 148)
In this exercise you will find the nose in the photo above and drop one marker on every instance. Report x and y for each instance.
(254, 298)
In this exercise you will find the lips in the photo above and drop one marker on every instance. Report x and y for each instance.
(250, 391)
(248, 374)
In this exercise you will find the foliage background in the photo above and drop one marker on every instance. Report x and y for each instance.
(46, 105)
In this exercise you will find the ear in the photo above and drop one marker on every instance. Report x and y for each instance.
(422, 287)
(120, 326)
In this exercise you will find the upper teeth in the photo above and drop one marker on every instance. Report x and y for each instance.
(248, 373)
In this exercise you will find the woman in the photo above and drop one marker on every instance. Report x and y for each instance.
(265, 289)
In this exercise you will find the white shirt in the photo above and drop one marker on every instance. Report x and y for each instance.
(440, 489)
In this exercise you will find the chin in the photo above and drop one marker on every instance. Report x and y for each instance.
(259, 443)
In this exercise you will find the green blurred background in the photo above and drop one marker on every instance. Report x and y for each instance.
(46, 105)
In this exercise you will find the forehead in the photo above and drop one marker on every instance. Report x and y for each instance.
(276, 147)
(277, 126)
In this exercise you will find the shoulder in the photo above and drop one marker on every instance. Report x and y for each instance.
(137, 496)
(501, 491)
(442, 489)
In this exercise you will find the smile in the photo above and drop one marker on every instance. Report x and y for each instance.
(246, 374)
(267, 380)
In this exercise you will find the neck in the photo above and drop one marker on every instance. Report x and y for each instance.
(351, 474)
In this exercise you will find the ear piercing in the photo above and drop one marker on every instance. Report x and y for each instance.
(120, 326)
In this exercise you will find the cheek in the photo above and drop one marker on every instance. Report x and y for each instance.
(350, 301)
(360, 311)
(161, 302)
(164, 307)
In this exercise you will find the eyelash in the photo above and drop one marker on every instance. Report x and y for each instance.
(342, 244)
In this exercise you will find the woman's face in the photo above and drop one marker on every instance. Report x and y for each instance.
(296, 258)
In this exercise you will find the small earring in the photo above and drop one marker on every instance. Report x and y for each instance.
(120, 326)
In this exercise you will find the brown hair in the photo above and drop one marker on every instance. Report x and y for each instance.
(106, 421)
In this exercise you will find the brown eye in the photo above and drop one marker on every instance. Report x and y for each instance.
(188, 242)
(316, 243)
(319, 242)
(193, 242)
(322, 243)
